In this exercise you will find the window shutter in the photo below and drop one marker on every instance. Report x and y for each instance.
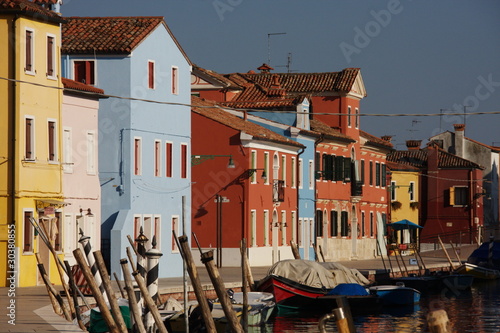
(50, 56)
(339, 167)
(29, 51)
(384, 175)
(452, 196)
(317, 163)
(347, 169)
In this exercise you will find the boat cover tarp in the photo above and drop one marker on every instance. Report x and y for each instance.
(318, 275)
(351, 289)
(481, 255)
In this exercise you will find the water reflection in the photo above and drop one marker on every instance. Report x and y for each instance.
(474, 310)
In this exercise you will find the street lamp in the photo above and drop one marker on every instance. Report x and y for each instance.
(198, 159)
(251, 172)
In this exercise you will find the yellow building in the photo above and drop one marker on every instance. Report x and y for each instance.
(403, 195)
(30, 128)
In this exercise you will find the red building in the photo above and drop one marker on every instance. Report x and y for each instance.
(351, 194)
(451, 193)
(255, 198)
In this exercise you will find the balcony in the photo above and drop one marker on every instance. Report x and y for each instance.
(278, 190)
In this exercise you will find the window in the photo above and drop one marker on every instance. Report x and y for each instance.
(283, 169)
(51, 57)
(151, 74)
(411, 191)
(175, 81)
(84, 71)
(363, 224)
(168, 159)
(377, 174)
(137, 156)
(371, 173)
(283, 228)
(294, 173)
(58, 242)
(458, 196)
(333, 223)
(137, 228)
(349, 116)
(312, 174)
(253, 163)
(175, 227)
(91, 153)
(393, 190)
(67, 151)
(29, 66)
(28, 232)
(294, 227)
(266, 228)
(362, 172)
(347, 169)
(344, 224)
(184, 160)
(148, 228)
(317, 165)
(253, 221)
(319, 224)
(278, 190)
(70, 234)
(301, 173)
(266, 167)
(52, 140)
(300, 232)
(329, 167)
(157, 226)
(372, 229)
(157, 159)
(29, 151)
(383, 174)
(356, 119)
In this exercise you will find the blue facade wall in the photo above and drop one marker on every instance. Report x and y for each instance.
(146, 196)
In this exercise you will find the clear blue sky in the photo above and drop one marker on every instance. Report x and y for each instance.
(415, 56)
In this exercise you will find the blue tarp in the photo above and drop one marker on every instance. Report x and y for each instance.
(349, 289)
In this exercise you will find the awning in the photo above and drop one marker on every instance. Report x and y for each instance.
(43, 203)
(404, 224)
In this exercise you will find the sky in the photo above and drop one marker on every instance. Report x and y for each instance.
(416, 56)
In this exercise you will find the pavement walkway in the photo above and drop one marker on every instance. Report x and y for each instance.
(33, 310)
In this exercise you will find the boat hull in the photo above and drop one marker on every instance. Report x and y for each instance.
(396, 295)
(478, 272)
(420, 283)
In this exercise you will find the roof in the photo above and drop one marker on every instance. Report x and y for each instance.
(213, 76)
(394, 166)
(418, 158)
(34, 8)
(79, 86)
(105, 35)
(211, 111)
(371, 139)
(321, 127)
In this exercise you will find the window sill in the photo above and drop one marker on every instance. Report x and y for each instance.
(30, 73)
(52, 78)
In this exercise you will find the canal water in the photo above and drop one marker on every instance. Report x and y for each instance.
(475, 310)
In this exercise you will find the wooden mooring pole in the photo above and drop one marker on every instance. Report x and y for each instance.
(129, 288)
(295, 250)
(195, 281)
(438, 322)
(99, 298)
(207, 258)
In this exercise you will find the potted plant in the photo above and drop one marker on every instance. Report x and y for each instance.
(414, 205)
(396, 205)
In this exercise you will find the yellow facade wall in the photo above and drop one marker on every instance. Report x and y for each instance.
(39, 97)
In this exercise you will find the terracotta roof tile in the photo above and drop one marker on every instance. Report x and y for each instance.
(321, 127)
(400, 166)
(210, 110)
(418, 158)
(375, 140)
(216, 76)
(29, 7)
(75, 85)
(86, 35)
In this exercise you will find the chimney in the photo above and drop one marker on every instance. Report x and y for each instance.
(387, 138)
(459, 139)
(413, 144)
(265, 68)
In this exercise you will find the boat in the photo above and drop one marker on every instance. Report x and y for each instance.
(481, 273)
(487, 255)
(456, 281)
(396, 295)
(307, 285)
(422, 283)
(260, 308)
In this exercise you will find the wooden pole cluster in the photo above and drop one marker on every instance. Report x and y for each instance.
(295, 250)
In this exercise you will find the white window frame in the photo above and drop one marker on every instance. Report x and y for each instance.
(157, 148)
(148, 229)
(91, 138)
(411, 192)
(33, 248)
(32, 138)
(157, 230)
(153, 73)
(393, 193)
(311, 175)
(294, 226)
(174, 247)
(300, 177)
(253, 161)
(137, 161)
(283, 169)
(283, 228)
(185, 160)
(33, 55)
(266, 227)
(356, 119)
(175, 80)
(253, 221)
(266, 167)
(54, 57)
(56, 146)
(67, 150)
(349, 114)
(95, 70)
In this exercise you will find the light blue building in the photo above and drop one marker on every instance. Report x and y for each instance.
(144, 129)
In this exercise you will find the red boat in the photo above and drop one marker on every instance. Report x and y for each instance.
(317, 289)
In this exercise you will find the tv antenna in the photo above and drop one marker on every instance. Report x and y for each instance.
(269, 44)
